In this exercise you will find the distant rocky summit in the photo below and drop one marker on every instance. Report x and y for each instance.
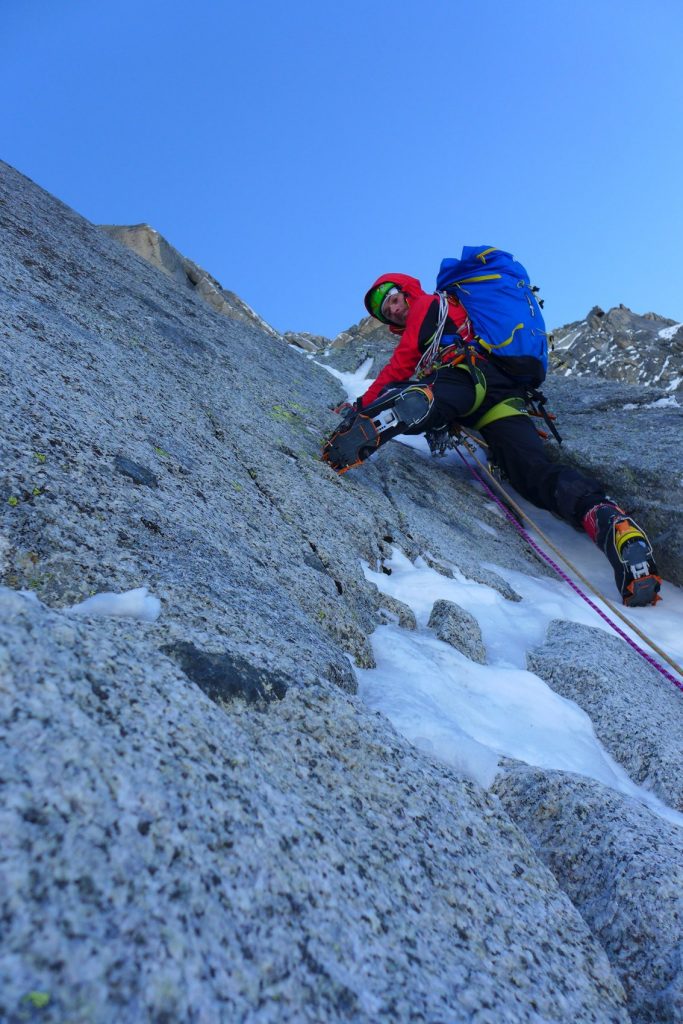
(622, 345)
(202, 822)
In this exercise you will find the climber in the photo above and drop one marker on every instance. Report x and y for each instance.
(442, 373)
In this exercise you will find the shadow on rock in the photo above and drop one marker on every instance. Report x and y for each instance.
(224, 676)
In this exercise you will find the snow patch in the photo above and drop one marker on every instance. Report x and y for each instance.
(356, 383)
(567, 342)
(668, 332)
(133, 604)
(467, 714)
(661, 403)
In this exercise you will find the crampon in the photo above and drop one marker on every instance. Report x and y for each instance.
(354, 440)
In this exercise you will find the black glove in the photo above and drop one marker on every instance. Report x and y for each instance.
(350, 411)
(346, 406)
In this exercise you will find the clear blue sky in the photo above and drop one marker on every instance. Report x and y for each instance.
(297, 150)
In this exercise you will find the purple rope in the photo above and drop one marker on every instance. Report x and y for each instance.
(562, 574)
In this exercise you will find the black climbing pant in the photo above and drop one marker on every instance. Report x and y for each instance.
(515, 444)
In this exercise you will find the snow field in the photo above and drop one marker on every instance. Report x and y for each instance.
(470, 715)
(667, 333)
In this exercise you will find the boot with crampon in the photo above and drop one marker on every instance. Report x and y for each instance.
(628, 550)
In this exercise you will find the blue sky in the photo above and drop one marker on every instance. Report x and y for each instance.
(297, 151)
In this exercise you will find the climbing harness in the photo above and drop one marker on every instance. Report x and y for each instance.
(502, 410)
(512, 510)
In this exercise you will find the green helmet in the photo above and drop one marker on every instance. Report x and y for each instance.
(375, 299)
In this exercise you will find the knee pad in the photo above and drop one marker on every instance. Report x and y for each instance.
(414, 405)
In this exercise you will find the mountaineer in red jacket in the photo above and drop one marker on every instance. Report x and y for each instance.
(441, 374)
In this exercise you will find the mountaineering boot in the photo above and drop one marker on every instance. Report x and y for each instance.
(362, 431)
(628, 550)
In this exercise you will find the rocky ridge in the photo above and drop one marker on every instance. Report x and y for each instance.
(153, 247)
(623, 346)
(368, 339)
(207, 790)
(617, 345)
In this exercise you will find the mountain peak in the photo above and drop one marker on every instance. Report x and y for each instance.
(621, 345)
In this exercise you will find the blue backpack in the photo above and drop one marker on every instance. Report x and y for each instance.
(494, 289)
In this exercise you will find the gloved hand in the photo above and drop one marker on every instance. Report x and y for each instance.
(346, 406)
(349, 411)
(354, 439)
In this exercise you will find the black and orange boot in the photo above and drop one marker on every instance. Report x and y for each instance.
(362, 431)
(628, 550)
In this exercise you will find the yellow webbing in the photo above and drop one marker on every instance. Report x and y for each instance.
(479, 381)
(489, 347)
(481, 277)
(508, 407)
(482, 255)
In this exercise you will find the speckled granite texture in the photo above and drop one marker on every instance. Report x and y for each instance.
(201, 823)
(457, 627)
(636, 712)
(622, 870)
(612, 430)
(167, 859)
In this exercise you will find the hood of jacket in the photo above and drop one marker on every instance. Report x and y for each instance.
(410, 286)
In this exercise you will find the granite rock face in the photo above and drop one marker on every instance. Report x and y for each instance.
(153, 247)
(168, 859)
(627, 436)
(621, 866)
(612, 684)
(623, 873)
(203, 822)
(457, 627)
(308, 342)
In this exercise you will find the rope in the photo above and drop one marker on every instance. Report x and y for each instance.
(542, 554)
(429, 354)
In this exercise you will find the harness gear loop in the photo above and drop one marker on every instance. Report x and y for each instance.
(536, 402)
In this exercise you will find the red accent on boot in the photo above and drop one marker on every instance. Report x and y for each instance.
(590, 519)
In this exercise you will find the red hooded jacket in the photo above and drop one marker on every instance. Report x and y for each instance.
(417, 332)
